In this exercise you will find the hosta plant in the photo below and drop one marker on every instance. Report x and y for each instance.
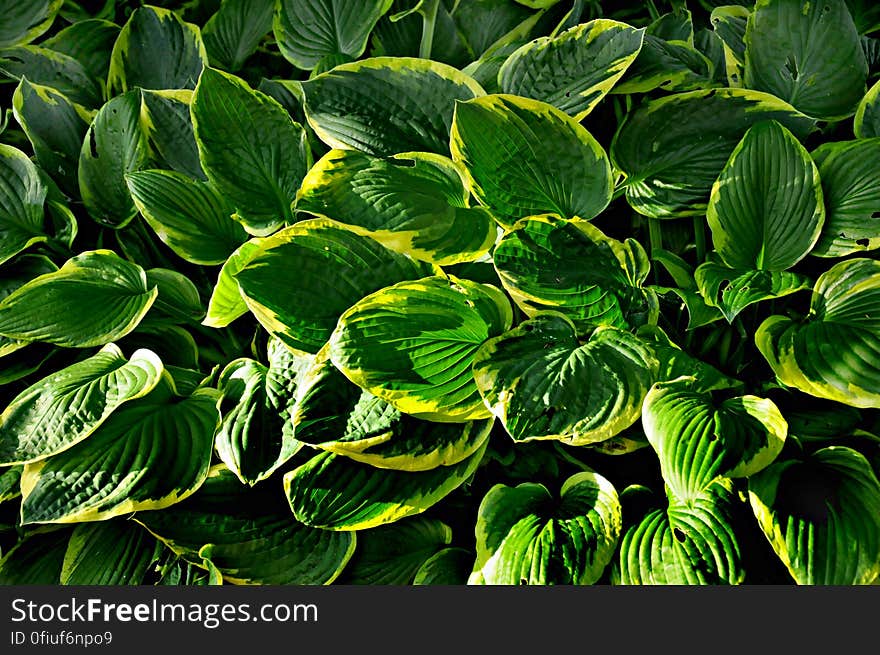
(439, 292)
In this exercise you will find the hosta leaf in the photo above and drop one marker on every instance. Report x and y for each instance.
(850, 173)
(392, 554)
(56, 129)
(729, 23)
(787, 55)
(108, 553)
(9, 483)
(308, 30)
(485, 23)
(190, 217)
(151, 30)
(337, 415)
(699, 438)
(401, 37)
(833, 352)
(90, 42)
(675, 362)
(450, 566)
(544, 384)
(67, 406)
(234, 32)
(286, 286)
(687, 543)
(25, 21)
(22, 195)
(386, 105)
(94, 298)
(415, 203)
(525, 157)
(672, 149)
(226, 303)
(526, 536)
(766, 209)
(254, 438)
(177, 346)
(548, 263)
(574, 70)
(114, 145)
(866, 124)
(419, 358)
(732, 290)
(149, 454)
(167, 122)
(249, 148)
(53, 69)
(254, 539)
(335, 492)
(667, 65)
(820, 514)
(36, 560)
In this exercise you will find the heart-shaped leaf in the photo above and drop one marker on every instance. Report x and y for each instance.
(94, 298)
(524, 157)
(822, 516)
(412, 344)
(699, 438)
(542, 383)
(575, 69)
(832, 352)
(65, 407)
(253, 538)
(286, 286)
(548, 263)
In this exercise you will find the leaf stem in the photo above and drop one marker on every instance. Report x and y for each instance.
(655, 234)
(652, 9)
(429, 14)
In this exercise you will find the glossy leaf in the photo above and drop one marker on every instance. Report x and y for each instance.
(108, 553)
(22, 195)
(25, 21)
(234, 32)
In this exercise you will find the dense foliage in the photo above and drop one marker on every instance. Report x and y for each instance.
(439, 292)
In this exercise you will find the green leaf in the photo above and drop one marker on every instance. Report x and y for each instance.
(866, 124)
(286, 286)
(9, 483)
(729, 23)
(850, 173)
(178, 298)
(167, 123)
(254, 438)
(485, 23)
(56, 129)
(689, 543)
(53, 69)
(235, 31)
(94, 298)
(226, 303)
(149, 31)
(672, 149)
(542, 383)
(249, 148)
(524, 157)
(820, 515)
(392, 554)
(149, 454)
(548, 263)
(25, 21)
(253, 537)
(449, 566)
(414, 203)
(419, 359)
(675, 362)
(35, 560)
(787, 54)
(67, 406)
(90, 42)
(699, 438)
(308, 30)
(114, 145)
(334, 492)
(766, 209)
(108, 553)
(667, 65)
(833, 352)
(190, 217)
(22, 195)
(574, 70)
(387, 105)
(732, 290)
(338, 416)
(676, 25)
(526, 536)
